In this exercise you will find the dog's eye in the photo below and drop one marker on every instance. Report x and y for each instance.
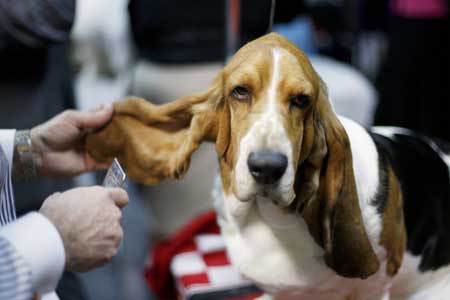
(241, 93)
(300, 101)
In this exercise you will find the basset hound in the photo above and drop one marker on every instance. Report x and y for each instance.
(312, 205)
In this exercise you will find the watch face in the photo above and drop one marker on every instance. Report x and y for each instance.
(22, 141)
(23, 148)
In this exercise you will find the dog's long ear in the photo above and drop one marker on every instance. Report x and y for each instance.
(155, 142)
(334, 216)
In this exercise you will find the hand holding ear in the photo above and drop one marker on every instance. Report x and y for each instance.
(58, 144)
(152, 142)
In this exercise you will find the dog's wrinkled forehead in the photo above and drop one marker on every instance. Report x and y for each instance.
(258, 56)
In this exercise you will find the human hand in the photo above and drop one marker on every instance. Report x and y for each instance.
(58, 144)
(88, 220)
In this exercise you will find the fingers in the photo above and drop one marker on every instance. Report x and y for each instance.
(93, 118)
(119, 196)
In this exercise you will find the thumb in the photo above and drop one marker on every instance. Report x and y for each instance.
(119, 196)
(93, 118)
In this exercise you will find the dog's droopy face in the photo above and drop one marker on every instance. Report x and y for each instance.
(270, 95)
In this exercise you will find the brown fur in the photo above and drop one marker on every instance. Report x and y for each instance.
(155, 142)
(393, 234)
(328, 169)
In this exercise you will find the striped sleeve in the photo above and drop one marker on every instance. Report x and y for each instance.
(15, 274)
(7, 208)
(38, 242)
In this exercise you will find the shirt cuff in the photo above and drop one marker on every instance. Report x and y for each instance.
(39, 243)
(50, 296)
(7, 143)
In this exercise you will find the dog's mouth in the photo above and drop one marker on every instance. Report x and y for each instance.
(274, 197)
(274, 194)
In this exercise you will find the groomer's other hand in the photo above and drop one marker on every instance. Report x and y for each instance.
(88, 220)
(58, 144)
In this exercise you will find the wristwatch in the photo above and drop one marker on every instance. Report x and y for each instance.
(23, 159)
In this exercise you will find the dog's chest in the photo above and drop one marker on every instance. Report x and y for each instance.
(275, 250)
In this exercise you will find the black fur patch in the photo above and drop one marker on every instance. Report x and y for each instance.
(381, 197)
(425, 184)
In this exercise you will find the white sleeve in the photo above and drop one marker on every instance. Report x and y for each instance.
(38, 242)
(7, 143)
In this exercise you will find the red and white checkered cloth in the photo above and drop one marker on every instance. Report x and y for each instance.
(193, 265)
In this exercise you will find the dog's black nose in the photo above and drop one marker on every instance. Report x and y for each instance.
(267, 166)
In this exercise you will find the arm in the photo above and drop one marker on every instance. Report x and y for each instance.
(37, 22)
(37, 253)
(24, 261)
(78, 230)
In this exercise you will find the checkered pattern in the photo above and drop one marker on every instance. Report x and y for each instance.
(203, 267)
(193, 265)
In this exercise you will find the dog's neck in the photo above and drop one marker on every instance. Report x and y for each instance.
(254, 233)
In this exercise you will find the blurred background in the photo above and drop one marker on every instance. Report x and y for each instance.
(386, 62)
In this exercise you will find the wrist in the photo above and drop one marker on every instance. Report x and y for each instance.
(37, 149)
(55, 212)
(26, 160)
(49, 214)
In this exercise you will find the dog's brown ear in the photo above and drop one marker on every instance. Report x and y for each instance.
(222, 133)
(155, 142)
(334, 216)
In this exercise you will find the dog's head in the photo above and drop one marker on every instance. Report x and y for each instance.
(276, 136)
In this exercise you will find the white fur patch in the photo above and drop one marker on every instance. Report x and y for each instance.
(366, 171)
(274, 258)
(285, 260)
(410, 284)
